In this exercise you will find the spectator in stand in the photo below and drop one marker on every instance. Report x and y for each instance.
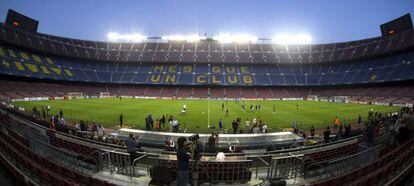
(303, 134)
(77, 125)
(183, 163)
(326, 135)
(62, 124)
(60, 112)
(340, 135)
(100, 131)
(53, 122)
(348, 131)
(212, 143)
(312, 131)
(121, 119)
(235, 127)
(132, 146)
(34, 112)
(82, 125)
(43, 113)
(94, 127)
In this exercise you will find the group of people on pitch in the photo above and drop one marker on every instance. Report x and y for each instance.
(159, 123)
(257, 125)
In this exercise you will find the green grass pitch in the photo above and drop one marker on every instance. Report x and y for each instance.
(201, 112)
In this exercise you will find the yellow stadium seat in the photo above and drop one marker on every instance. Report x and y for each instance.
(49, 60)
(32, 67)
(5, 63)
(19, 66)
(11, 53)
(45, 70)
(69, 73)
(2, 52)
(24, 56)
(56, 70)
(37, 58)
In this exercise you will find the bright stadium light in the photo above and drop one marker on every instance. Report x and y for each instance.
(112, 36)
(237, 38)
(289, 39)
(189, 38)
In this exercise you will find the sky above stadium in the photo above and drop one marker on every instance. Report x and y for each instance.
(325, 20)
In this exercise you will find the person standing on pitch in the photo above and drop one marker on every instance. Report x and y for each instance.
(235, 126)
(162, 120)
(220, 124)
(227, 111)
(297, 107)
(121, 119)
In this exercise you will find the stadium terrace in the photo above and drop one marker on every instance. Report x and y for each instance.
(231, 109)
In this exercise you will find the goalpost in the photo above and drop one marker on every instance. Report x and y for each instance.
(343, 99)
(104, 95)
(75, 95)
(313, 97)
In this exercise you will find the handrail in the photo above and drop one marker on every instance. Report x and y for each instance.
(263, 161)
(134, 163)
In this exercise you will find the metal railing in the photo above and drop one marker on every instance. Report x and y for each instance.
(345, 164)
(40, 145)
(63, 157)
(115, 161)
(286, 167)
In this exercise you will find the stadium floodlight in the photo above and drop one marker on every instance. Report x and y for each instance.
(237, 38)
(112, 36)
(189, 38)
(288, 39)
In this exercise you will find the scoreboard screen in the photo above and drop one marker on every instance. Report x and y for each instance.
(21, 21)
(397, 25)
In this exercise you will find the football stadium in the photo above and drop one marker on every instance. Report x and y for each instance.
(203, 109)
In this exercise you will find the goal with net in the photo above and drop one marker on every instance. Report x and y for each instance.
(75, 95)
(104, 95)
(313, 98)
(343, 99)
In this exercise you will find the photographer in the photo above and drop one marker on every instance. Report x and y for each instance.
(183, 162)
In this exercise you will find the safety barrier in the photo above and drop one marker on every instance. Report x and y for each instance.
(286, 167)
(231, 171)
(115, 161)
